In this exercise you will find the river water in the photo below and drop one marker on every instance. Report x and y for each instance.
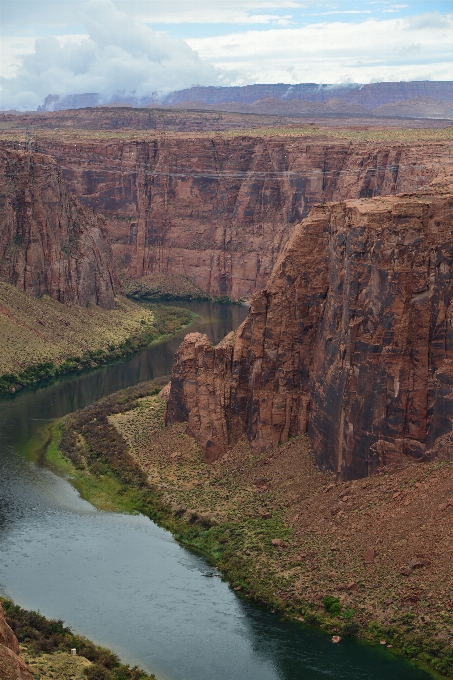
(123, 581)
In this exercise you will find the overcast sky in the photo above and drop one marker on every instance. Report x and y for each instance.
(146, 46)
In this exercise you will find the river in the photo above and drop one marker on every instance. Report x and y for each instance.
(123, 581)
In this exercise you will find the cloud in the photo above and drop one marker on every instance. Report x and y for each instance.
(367, 51)
(118, 55)
(59, 12)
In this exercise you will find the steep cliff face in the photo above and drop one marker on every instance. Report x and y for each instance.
(219, 210)
(351, 341)
(49, 242)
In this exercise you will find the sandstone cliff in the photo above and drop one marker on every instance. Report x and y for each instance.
(219, 209)
(369, 95)
(11, 666)
(351, 341)
(49, 243)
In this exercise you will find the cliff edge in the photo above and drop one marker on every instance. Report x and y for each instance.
(351, 341)
(49, 242)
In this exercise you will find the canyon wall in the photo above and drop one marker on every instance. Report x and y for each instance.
(219, 209)
(49, 242)
(350, 341)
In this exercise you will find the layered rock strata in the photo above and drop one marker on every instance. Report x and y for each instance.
(219, 210)
(49, 242)
(369, 95)
(11, 665)
(351, 341)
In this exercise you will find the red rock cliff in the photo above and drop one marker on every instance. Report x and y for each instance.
(49, 243)
(220, 209)
(351, 341)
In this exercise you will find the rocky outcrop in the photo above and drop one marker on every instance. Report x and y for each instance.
(351, 341)
(49, 242)
(11, 666)
(219, 209)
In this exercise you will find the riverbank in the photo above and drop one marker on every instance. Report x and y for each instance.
(41, 338)
(170, 288)
(45, 646)
(356, 558)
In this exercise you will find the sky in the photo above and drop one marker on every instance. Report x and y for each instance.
(142, 47)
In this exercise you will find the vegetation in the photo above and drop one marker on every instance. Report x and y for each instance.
(163, 287)
(232, 516)
(226, 300)
(382, 132)
(41, 338)
(44, 636)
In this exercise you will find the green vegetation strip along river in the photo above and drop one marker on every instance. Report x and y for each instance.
(167, 321)
(39, 637)
(87, 448)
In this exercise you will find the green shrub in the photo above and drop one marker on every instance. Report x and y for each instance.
(42, 635)
(332, 605)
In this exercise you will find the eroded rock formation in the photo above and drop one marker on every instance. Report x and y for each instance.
(49, 242)
(219, 210)
(351, 341)
(11, 665)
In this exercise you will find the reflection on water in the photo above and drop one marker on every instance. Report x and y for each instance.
(123, 581)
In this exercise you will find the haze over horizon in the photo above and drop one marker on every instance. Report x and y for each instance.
(142, 47)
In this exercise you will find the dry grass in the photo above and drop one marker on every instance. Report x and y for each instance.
(58, 666)
(381, 546)
(342, 133)
(159, 286)
(39, 330)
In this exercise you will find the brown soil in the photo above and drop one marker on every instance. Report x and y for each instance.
(382, 545)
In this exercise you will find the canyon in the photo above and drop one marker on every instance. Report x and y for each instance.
(218, 208)
(351, 342)
(328, 231)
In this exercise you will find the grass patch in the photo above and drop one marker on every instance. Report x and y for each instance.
(162, 287)
(84, 448)
(52, 339)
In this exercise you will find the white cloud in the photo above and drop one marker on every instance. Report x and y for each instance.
(51, 12)
(13, 48)
(120, 55)
(371, 50)
(215, 12)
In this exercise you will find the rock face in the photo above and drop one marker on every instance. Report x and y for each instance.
(219, 210)
(11, 666)
(351, 341)
(49, 243)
